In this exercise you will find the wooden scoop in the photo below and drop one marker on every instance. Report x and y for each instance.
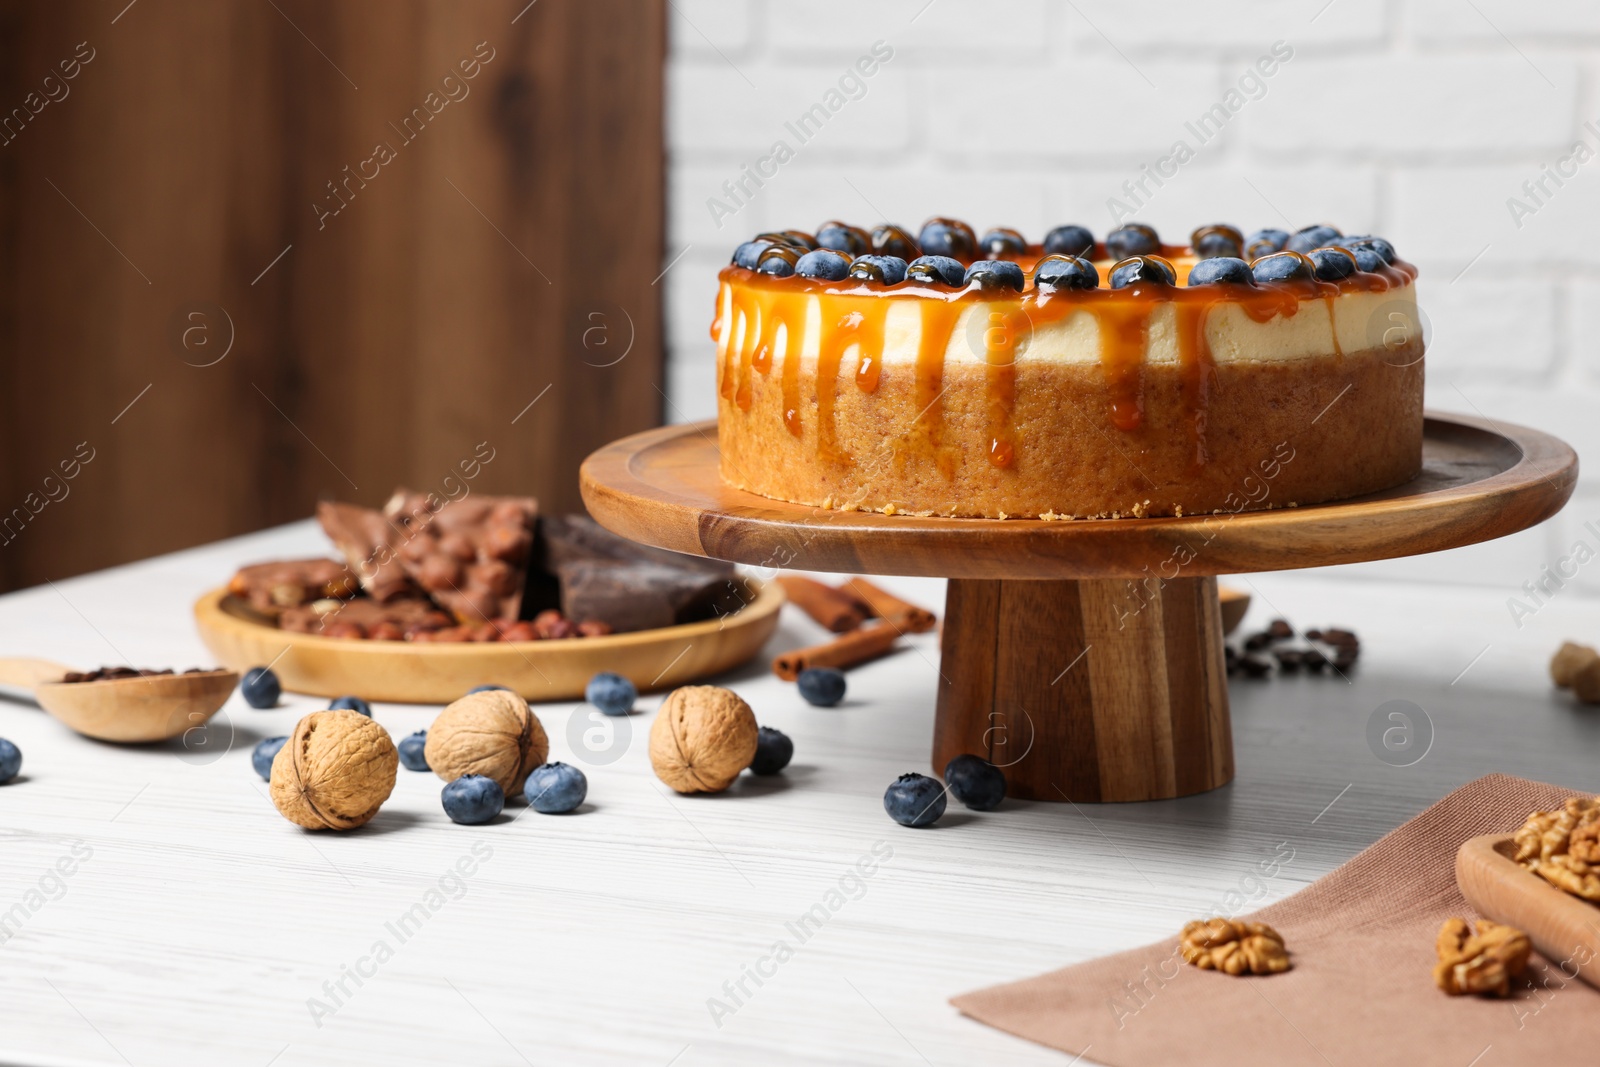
(151, 708)
(1564, 928)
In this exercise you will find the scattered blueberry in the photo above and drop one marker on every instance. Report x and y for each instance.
(1221, 269)
(995, 274)
(1213, 242)
(840, 237)
(800, 239)
(941, 269)
(1065, 272)
(1003, 243)
(778, 261)
(260, 688)
(1142, 269)
(611, 693)
(822, 686)
(914, 800)
(774, 750)
(473, 799)
(488, 688)
(1331, 264)
(261, 756)
(947, 237)
(555, 789)
(748, 254)
(1282, 267)
(11, 760)
(1265, 242)
(1367, 259)
(976, 782)
(824, 263)
(891, 240)
(1132, 239)
(351, 704)
(1311, 237)
(890, 270)
(1069, 240)
(411, 751)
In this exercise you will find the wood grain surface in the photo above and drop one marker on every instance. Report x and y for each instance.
(1480, 480)
(504, 255)
(1080, 693)
(1564, 928)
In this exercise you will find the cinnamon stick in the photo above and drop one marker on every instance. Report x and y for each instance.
(907, 617)
(833, 609)
(852, 648)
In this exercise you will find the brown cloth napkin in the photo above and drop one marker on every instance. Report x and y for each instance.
(1361, 991)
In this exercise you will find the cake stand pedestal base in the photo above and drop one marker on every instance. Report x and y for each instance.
(1090, 690)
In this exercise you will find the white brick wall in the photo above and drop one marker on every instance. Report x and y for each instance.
(1416, 119)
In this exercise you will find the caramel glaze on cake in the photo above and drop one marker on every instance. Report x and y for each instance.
(1141, 401)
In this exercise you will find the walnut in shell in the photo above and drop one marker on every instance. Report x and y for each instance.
(334, 772)
(1569, 659)
(702, 738)
(1234, 948)
(492, 733)
(1483, 962)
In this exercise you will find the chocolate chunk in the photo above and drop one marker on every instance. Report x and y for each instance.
(600, 577)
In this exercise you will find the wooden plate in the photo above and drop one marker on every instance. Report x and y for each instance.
(1565, 929)
(401, 672)
(1480, 480)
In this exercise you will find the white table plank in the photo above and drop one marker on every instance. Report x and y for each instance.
(197, 924)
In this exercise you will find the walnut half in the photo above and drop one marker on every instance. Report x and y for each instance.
(1234, 948)
(1483, 962)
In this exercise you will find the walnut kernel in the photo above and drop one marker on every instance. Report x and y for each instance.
(1234, 948)
(1563, 847)
(334, 772)
(702, 738)
(1483, 962)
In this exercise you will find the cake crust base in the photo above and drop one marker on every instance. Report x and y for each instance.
(1248, 436)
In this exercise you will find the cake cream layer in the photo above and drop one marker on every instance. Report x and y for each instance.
(1312, 320)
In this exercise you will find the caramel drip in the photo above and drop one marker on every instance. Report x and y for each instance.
(1006, 331)
(736, 363)
(1124, 333)
(791, 314)
(938, 323)
(862, 328)
(1197, 367)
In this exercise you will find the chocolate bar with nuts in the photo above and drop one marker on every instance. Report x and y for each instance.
(471, 555)
(399, 620)
(367, 541)
(270, 588)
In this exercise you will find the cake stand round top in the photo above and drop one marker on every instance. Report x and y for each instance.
(1480, 480)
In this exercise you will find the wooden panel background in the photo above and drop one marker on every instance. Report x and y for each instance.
(508, 252)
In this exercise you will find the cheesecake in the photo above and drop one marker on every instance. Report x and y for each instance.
(954, 374)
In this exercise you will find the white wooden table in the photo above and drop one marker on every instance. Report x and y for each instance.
(198, 926)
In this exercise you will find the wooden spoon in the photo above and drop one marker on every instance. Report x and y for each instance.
(1564, 928)
(150, 708)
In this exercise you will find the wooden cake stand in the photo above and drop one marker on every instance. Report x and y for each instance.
(1085, 656)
